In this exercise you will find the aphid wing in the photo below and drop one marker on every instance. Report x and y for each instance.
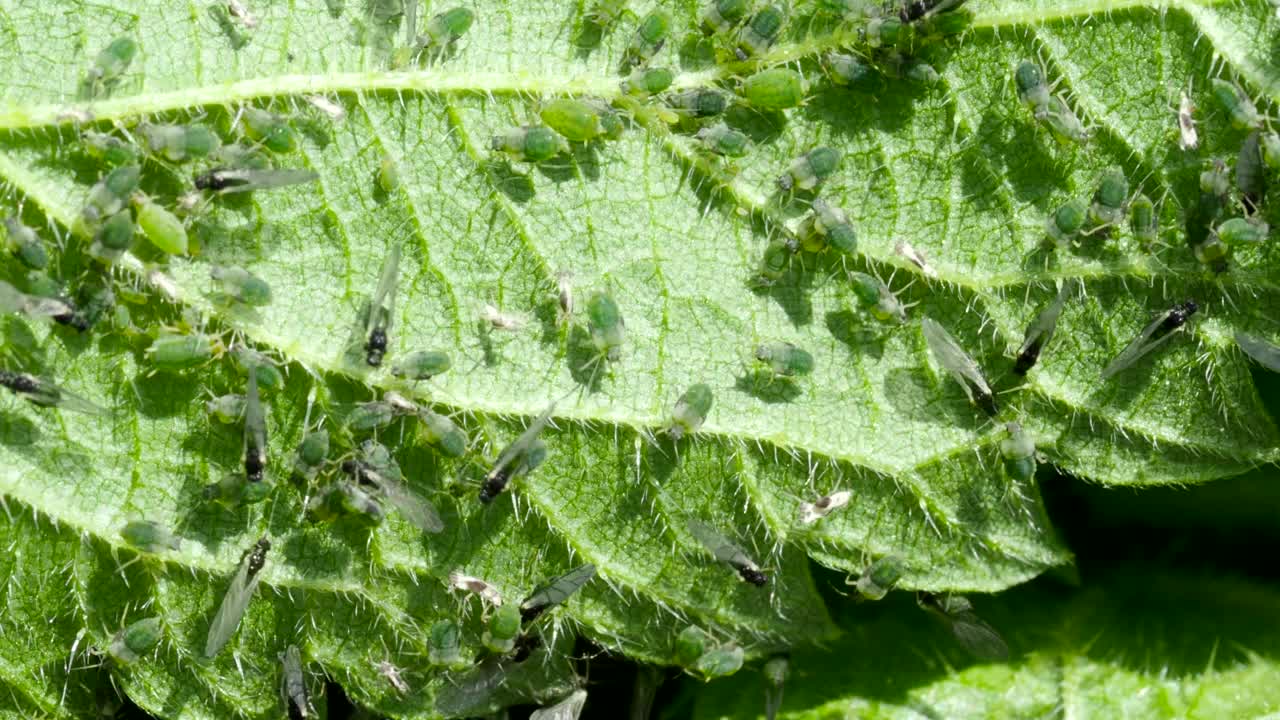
(568, 709)
(231, 610)
(956, 361)
(1041, 329)
(979, 638)
(418, 511)
(255, 422)
(68, 400)
(561, 588)
(1137, 347)
(268, 179)
(720, 546)
(472, 691)
(384, 295)
(772, 702)
(1263, 352)
(521, 443)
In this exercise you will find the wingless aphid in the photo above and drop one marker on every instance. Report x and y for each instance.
(974, 634)
(148, 536)
(879, 578)
(531, 143)
(237, 598)
(608, 332)
(727, 552)
(690, 411)
(646, 81)
(1156, 333)
(109, 149)
(269, 129)
(446, 28)
(1018, 452)
(576, 120)
(606, 12)
(648, 40)
(811, 169)
(13, 300)
(777, 88)
(775, 670)
(828, 227)
(721, 16)
(877, 298)
(761, 31)
(160, 226)
(959, 365)
(226, 408)
(225, 181)
(774, 261)
(698, 102)
(690, 644)
(240, 285)
(555, 592)
(377, 467)
(444, 645)
(1243, 231)
(847, 70)
(111, 194)
(248, 360)
(724, 141)
(812, 512)
(255, 433)
(179, 142)
(422, 365)
(501, 631)
(475, 586)
(135, 640)
(886, 32)
(181, 352)
(1108, 202)
(345, 499)
(110, 65)
(567, 709)
(785, 359)
(42, 392)
(382, 308)
(1264, 353)
(231, 30)
(23, 242)
(293, 684)
(1240, 109)
(518, 458)
(719, 662)
(1040, 331)
(312, 453)
(1271, 150)
(1143, 221)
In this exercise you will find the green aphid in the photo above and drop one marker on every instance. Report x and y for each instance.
(576, 120)
(109, 149)
(775, 261)
(1243, 231)
(269, 129)
(312, 453)
(1251, 178)
(1018, 452)
(135, 640)
(839, 8)
(1143, 220)
(1213, 253)
(922, 72)
(113, 238)
(344, 499)
(887, 32)
(690, 411)
(761, 31)
(110, 65)
(241, 156)
(376, 467)
(164, 229)
(811, 169)
(1065, 224)
(877, 298)
(503, 628)
(110, 194)
(698, 102)
(828, 227)
(180, 142)
(608, 331)
(388, 174)
(879, 578)
(1215, 179)
(847, 70)
(1062, 121)
(372, 415)
(1109, 200)
(148, 536)
(232, 30)
(690, 645)
(335, 7)
(226, 409)
(1032, 90)
(235, 490)
(446, 28)
(444, 645)
(239, 285)
(23, 242)
(443, 434)
(1271, 150)
(723, 140)
(648, 40)
(721, 16)
(946, 24)
(774, 89)
(264, 368)
(1243, 113)
(606, 12)
(785, 359)
(182, 352)
(647, 81)
(422, 365)
(719, 662)
(531, 143)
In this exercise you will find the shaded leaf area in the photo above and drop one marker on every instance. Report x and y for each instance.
(1137, 641)
(959, 169)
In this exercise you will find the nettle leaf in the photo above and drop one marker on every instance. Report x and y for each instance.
(958, 168)
(1145, 642)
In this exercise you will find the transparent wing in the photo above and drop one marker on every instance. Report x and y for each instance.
(382, 304)
(67, 400)
(952, 357)
(295, 686)
(978, 638)
(567, 709)
(1041, 329)
(520, 444)
(417, 510)
(772, 702)
(255, 422)
(471, 693)
(232, 609)
(723, 548)
(249, 180)
(1138, 347)
(558, 589)
(1262, 352)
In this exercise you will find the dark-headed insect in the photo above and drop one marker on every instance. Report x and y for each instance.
(42, 392)
(382, 308)
(520, 457)
(375, 466)
(293, 684)
(1040, 331)
(973, 633)
(959, 365)
(236, 600)
(255, 433)
(225, 181)
(1156, 333)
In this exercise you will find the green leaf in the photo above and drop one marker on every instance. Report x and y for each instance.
(1136, 642)
(959, 169)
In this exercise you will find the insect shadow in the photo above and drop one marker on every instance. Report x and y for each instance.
(764, 385)
(587, 366)
(517, 186)
(696, 53)
(856, 332)
(791, 294)
(16, 430)
(915, 394)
